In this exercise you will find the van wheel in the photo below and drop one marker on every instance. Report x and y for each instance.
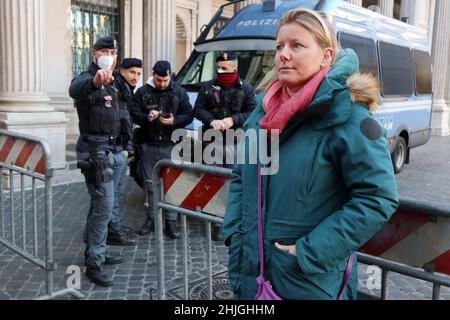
(399, 155)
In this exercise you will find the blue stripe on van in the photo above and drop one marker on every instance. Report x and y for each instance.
(412, 120)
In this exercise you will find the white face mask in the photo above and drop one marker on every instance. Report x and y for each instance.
(105, 62)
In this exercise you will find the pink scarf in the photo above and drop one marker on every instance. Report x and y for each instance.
(280, 108)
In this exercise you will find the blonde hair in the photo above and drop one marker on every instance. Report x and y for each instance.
(316, 23)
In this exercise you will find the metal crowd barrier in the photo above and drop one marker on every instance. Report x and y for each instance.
(26, 156)
(196, 209)
(415, 242)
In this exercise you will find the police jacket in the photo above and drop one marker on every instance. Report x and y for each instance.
(216, 103)
(126, 91)
(172, 100)
(102, 112)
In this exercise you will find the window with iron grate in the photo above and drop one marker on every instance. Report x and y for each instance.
(91, 19)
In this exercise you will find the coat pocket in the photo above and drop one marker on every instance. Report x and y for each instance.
(292, 283)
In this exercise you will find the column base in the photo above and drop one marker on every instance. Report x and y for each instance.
(50, 126)
(440, 119)
(20, 103)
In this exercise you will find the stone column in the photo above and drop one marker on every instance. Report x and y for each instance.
(387, 7)
(418, 12)
(355, 2)
(132, 27)
(448, 83)
(240, 5)
(194, 29)
(441, 46)
(22, 86)
(159, 33)
(24, 102)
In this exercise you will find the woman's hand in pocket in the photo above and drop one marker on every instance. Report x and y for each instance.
(289, 249)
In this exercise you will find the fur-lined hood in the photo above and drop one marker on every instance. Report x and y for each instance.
(364, 88)
(343, 83)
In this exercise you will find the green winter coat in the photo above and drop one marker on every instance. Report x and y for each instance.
(334, 190)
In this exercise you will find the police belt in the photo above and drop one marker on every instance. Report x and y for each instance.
(102, 140)
(162, 142)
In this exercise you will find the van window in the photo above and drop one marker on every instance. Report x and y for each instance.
(396, 66)
(422, 65)
(255, 66)
(364, 48)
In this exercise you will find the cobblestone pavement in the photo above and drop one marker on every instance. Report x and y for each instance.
(426, 177)
(132, 280)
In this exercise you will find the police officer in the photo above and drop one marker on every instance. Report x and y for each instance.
(225, 103)
(105, 126)
(160, 107)
(127, 78)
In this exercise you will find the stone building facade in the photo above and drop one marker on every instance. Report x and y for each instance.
(44, 43)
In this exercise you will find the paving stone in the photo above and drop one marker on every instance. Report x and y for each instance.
(98, 295)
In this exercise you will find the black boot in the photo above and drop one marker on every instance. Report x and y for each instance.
(147, 228)
(216, 232)
(170, 229)
(98, 276)
(113, 258)
(118, 238)
(128, 231)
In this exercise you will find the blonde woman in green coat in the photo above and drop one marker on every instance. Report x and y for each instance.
(335, 186)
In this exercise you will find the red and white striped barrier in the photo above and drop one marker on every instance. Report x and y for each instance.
(410, 237)
(415, 240)
(186, 189)
(28, 155)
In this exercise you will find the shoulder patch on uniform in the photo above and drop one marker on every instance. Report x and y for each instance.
(371, 129)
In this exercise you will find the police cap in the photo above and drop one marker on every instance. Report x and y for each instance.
(105, 43)
(227, 56)
(130, 63)
(162, 68)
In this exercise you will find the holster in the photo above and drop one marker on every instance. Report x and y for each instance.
(97, 170)
(102, 173)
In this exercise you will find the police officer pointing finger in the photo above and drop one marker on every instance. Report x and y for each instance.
(105, 128)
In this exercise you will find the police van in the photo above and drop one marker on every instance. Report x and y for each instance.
(397, 53)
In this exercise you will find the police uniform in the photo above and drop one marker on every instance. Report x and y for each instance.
(105, 126)
(155, 138)
(126, 90)
(215, 102)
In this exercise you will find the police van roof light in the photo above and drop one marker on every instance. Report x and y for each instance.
(269, 5)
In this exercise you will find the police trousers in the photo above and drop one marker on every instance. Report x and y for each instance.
(104, 208)
(150, 155)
